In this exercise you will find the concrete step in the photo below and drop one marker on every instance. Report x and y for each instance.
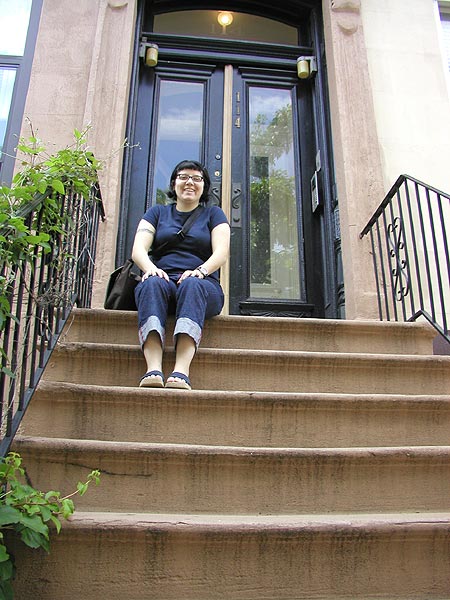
(138, 477)
(265, 333)
(198, 557)
(272, 419)
(259, 370)
(311, 461)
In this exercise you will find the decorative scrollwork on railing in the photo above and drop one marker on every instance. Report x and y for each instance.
(411, 255)
(397, 257)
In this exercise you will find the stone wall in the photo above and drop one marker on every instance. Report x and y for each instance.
(390, 111)
(81, 74)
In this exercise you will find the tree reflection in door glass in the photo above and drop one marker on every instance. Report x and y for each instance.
(179, 130)
(274, 255)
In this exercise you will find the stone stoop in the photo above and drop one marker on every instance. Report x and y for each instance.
(311, 461)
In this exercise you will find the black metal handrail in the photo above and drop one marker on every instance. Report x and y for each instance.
(409, 234)
(42, 294)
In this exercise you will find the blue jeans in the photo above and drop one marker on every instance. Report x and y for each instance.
(192, 301)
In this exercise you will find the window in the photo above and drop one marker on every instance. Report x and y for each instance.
(7, 80)
(18, 29)
(204, 23)
(444, 10)
(14, 19)
(445, 20)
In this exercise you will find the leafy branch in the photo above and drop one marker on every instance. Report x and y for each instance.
(41, 184)
(27, 511)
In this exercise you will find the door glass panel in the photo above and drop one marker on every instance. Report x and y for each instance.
(274, 251)
(179, 133)
(7, 78)
(14, 18)
(205, 23)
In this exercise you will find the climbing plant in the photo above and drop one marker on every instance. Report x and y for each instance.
(42, 179)
(28, 512)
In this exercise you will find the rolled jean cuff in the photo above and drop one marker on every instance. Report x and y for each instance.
(151, 324)
(189, 327)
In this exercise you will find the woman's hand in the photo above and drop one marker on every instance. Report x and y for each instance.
(155, 272)
(195, 273)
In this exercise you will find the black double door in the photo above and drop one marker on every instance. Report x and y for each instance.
(255, 128)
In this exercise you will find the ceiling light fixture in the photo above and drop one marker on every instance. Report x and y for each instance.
(225, 18)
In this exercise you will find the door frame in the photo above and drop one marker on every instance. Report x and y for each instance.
(225, 52)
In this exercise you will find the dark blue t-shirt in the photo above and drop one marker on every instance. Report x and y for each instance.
(196, 248)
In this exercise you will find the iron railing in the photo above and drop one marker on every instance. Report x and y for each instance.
(409, 233)
(42, 294)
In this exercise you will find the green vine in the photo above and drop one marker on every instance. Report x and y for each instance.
(42, 183)
(42, 179)
(27, 511)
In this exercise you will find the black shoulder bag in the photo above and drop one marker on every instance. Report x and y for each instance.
(123, 281)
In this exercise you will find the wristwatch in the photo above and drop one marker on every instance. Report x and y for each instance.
(203, 271)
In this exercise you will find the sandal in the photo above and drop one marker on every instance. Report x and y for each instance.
(184, 384)
(154, 379)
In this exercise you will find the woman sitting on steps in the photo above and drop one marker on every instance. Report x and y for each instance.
(180, 277)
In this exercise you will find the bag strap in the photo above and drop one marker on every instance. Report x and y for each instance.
(181, 234)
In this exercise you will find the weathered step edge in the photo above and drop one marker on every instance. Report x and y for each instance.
(55, 446)
(243, 480)
(347, 525)
(186, 557)
(62, 391)
(280, 332)
(261, 370)
(274, 419)
(260, 355)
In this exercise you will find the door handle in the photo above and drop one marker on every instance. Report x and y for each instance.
(236, 205)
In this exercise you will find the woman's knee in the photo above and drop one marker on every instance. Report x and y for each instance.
(191, 283)
(205, 295)
(192, 287)
(153, 287)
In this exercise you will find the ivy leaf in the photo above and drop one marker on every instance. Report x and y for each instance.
(3, 553)
(35, 523)
(32, 510)
(9, 515)
(52, 494)
(46, 513)
(42, 187)
(57, 523)
(58, 186)
(33, 239)
(82, 488)
(68, 508)
(6, 590)
(27, 150)
(33, 539)
(6, 574)
(21, 492)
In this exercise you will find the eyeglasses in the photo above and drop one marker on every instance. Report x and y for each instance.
(186, 177)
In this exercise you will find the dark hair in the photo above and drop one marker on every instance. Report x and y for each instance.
(194, 166)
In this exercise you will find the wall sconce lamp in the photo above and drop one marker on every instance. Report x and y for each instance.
(224, 18)
(149, 53)
(306, 66)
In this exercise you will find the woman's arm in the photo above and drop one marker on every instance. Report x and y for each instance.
(143, 241)
(220, 243)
